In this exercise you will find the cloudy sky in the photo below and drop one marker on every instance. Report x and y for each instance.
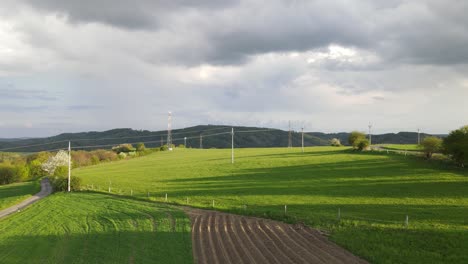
(68, 66)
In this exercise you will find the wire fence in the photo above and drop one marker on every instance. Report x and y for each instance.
(293, 213)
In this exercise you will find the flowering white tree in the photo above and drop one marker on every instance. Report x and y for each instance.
(60, 159)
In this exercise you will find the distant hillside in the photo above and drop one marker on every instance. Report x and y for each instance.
(389, 138)
(263, 138)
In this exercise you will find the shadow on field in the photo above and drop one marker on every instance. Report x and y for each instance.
(96, 247)
(292, 153)
(366, 178)
(8, 191)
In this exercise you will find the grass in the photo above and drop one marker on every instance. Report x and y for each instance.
(95, 228)
(374, 193)
(408, 147)
(14, 193)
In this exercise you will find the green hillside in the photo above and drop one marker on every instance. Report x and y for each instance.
(374, 193)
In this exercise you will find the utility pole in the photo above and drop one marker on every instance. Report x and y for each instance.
(232, 146)
(201, 141)
(290, 136)
(185, 141)
(370, 135)
(419, 139)
(302, 130)
(69, 164)
(169, 130)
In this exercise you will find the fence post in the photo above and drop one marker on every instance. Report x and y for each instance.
(285, 209)
(339, 214)
(131, 192)
(213, 205)
(187, 200)
(406, 221)
(166, 197)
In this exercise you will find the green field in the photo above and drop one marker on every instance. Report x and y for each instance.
(16, 192)
(374, 193)
(408, 147)
(95, 228)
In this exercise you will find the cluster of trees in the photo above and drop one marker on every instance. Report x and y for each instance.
(455, 145)
(358, 140)
(16, 167)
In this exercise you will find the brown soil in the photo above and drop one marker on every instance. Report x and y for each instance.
(226, 238)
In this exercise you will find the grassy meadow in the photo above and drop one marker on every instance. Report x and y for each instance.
(14, 193)
(373, 191)
(95, 228)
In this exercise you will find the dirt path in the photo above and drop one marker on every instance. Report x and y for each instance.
(226, 238)
(46, 189)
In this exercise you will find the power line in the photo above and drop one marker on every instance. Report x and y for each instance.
(35, 145)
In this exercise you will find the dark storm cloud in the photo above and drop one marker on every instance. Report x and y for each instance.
(140, 14)
(230, 32)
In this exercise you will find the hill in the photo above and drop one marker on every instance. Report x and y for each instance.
(262, 138)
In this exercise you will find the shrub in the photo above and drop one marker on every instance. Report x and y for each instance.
(140, 147)
(122, 155)
(362, 144)
(181, 146)
(431, 145)
(163, 148)
(60, 183)
(456, 145)
(123, 148)
(335, 142)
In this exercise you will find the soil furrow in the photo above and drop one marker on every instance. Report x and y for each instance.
(291, 254)
(308, 249)
(227, 238)
(196, 237)
(270, 248)
(256, 253)
(225, 242)
(239, 247)
(212, 255)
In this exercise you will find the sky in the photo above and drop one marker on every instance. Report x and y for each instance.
(329, 66)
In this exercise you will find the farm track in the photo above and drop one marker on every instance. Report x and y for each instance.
(226, 238)
(46, 189)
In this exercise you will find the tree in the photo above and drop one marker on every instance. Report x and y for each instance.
(335, 142)
(431, 145)
(355, 137)
(60, 159)
(456, 145)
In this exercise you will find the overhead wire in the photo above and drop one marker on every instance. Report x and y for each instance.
(144, 142)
